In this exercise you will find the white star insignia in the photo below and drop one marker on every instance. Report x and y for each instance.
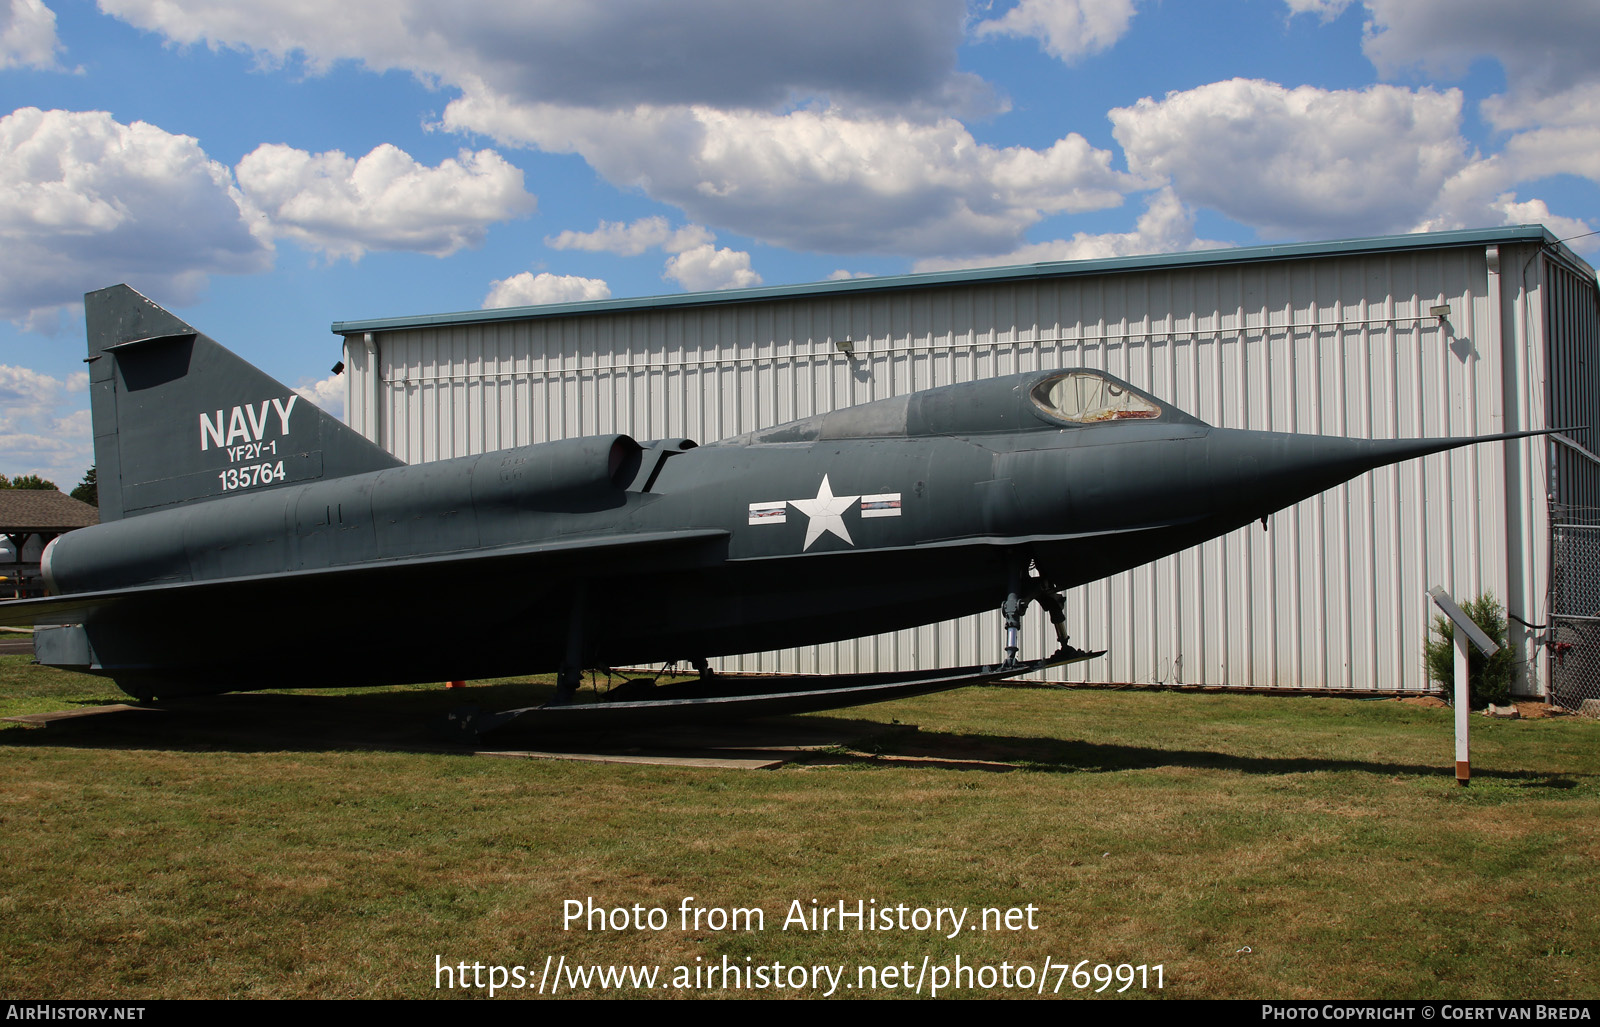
(826, 513)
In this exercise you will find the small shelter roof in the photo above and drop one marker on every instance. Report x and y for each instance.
(43, 511)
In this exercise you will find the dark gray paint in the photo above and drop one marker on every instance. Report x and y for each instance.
(363, 572)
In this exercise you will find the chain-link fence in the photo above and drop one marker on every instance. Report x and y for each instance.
(1574, 638)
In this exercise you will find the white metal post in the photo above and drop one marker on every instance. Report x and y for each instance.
(1465, 632)
(1463, 706)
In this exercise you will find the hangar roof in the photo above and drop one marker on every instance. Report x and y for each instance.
(975, 276)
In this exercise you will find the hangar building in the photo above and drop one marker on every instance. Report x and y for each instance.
(1449, 333)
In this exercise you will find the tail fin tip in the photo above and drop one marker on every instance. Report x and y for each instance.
(178, 418)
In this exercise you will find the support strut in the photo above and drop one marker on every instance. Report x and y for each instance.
(1028, 587)
(570, 676)
(1056, 607)
(1011, 610)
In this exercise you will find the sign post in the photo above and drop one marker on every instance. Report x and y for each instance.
(1465, 630)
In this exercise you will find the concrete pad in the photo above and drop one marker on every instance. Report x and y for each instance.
(45, 719)
(648, 759)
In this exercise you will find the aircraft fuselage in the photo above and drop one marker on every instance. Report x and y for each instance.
(803, 542)
(252, 541)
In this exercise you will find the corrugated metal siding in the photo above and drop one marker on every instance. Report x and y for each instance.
(1333, 595)
(1573, 324)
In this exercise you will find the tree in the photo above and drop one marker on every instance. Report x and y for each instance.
(88, 490)
(1488, 678)
(27, 481)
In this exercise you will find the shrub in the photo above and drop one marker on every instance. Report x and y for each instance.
(1488, 678)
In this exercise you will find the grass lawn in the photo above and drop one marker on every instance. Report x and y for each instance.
(1253, 846)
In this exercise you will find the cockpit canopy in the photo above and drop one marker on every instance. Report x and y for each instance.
(1035, 401)
(1089, 397)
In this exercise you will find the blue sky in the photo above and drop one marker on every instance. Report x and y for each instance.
(267, 169)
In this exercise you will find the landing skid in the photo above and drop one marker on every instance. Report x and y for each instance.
(739, 697)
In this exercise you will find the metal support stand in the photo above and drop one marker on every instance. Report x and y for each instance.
(1028, 587)
(1011, 610)
(1056, 607)
(570, 676)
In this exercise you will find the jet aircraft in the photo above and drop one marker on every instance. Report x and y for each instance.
(249, 540)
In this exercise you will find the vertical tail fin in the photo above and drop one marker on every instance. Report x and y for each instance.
(178, 418)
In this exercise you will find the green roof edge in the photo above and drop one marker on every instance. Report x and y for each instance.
(928, 279)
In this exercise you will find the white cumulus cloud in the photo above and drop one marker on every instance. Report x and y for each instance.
(829, 126)
(383, 201)
(819, 179)
(1067, 29)
(26, 394)
(1578, 107)
(1535, 212)
(612, 55)
(706, 267)
(27, 35)
(695, 262)
(44, 425)
(1545, 48)
(1303, 161)
(630, 240)
(1166, 226)
(86, 202)
(529, 289)
(327, 393)
(1480, 195)
(1549, 113)
(1552, 135)
(1327, 10)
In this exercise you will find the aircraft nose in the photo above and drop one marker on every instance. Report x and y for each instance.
(1220, 477)
(1250, 474)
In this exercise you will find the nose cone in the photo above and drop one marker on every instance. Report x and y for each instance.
(1249, 474)
(1165, 495)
